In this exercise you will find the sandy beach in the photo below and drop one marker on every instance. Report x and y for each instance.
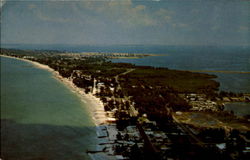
(94, 104)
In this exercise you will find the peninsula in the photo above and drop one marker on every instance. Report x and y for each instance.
(144, 112)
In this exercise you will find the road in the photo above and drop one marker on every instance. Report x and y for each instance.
(190, 133)
(124, 73)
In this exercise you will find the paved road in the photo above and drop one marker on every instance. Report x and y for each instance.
(124, 73)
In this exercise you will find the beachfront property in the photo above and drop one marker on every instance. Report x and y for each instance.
(126, 129)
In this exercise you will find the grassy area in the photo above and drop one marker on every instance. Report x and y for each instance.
(213, 120)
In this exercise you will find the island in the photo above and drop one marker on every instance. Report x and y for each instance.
(149, 112)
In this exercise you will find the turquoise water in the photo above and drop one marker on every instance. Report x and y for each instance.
(40, 117)
(222, 58)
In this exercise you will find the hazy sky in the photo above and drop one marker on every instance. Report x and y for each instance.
(166, 22)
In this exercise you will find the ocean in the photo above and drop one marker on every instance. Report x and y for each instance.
(40, 117)
(201, 58)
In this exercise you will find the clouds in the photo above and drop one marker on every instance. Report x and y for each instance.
(126, 22)
(243, 29)
(2, 2)
(41, 15)
(126, 13)
(122, 12)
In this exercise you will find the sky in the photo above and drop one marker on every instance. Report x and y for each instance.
(105, 22)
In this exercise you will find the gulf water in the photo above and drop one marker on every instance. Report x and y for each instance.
(40, 117)
(205, 58)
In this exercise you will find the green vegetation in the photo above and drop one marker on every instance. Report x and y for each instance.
(176, 81)
(148, 96)
(154, 91)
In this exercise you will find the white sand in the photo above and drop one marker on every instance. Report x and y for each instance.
(94, 104)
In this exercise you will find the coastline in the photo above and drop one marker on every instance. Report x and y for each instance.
(94, 104)
(110, 139)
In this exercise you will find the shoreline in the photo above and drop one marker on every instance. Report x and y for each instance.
(94, 105)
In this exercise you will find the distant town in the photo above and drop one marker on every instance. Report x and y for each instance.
(152, 113)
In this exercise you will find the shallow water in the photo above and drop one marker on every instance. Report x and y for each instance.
(40, 117)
